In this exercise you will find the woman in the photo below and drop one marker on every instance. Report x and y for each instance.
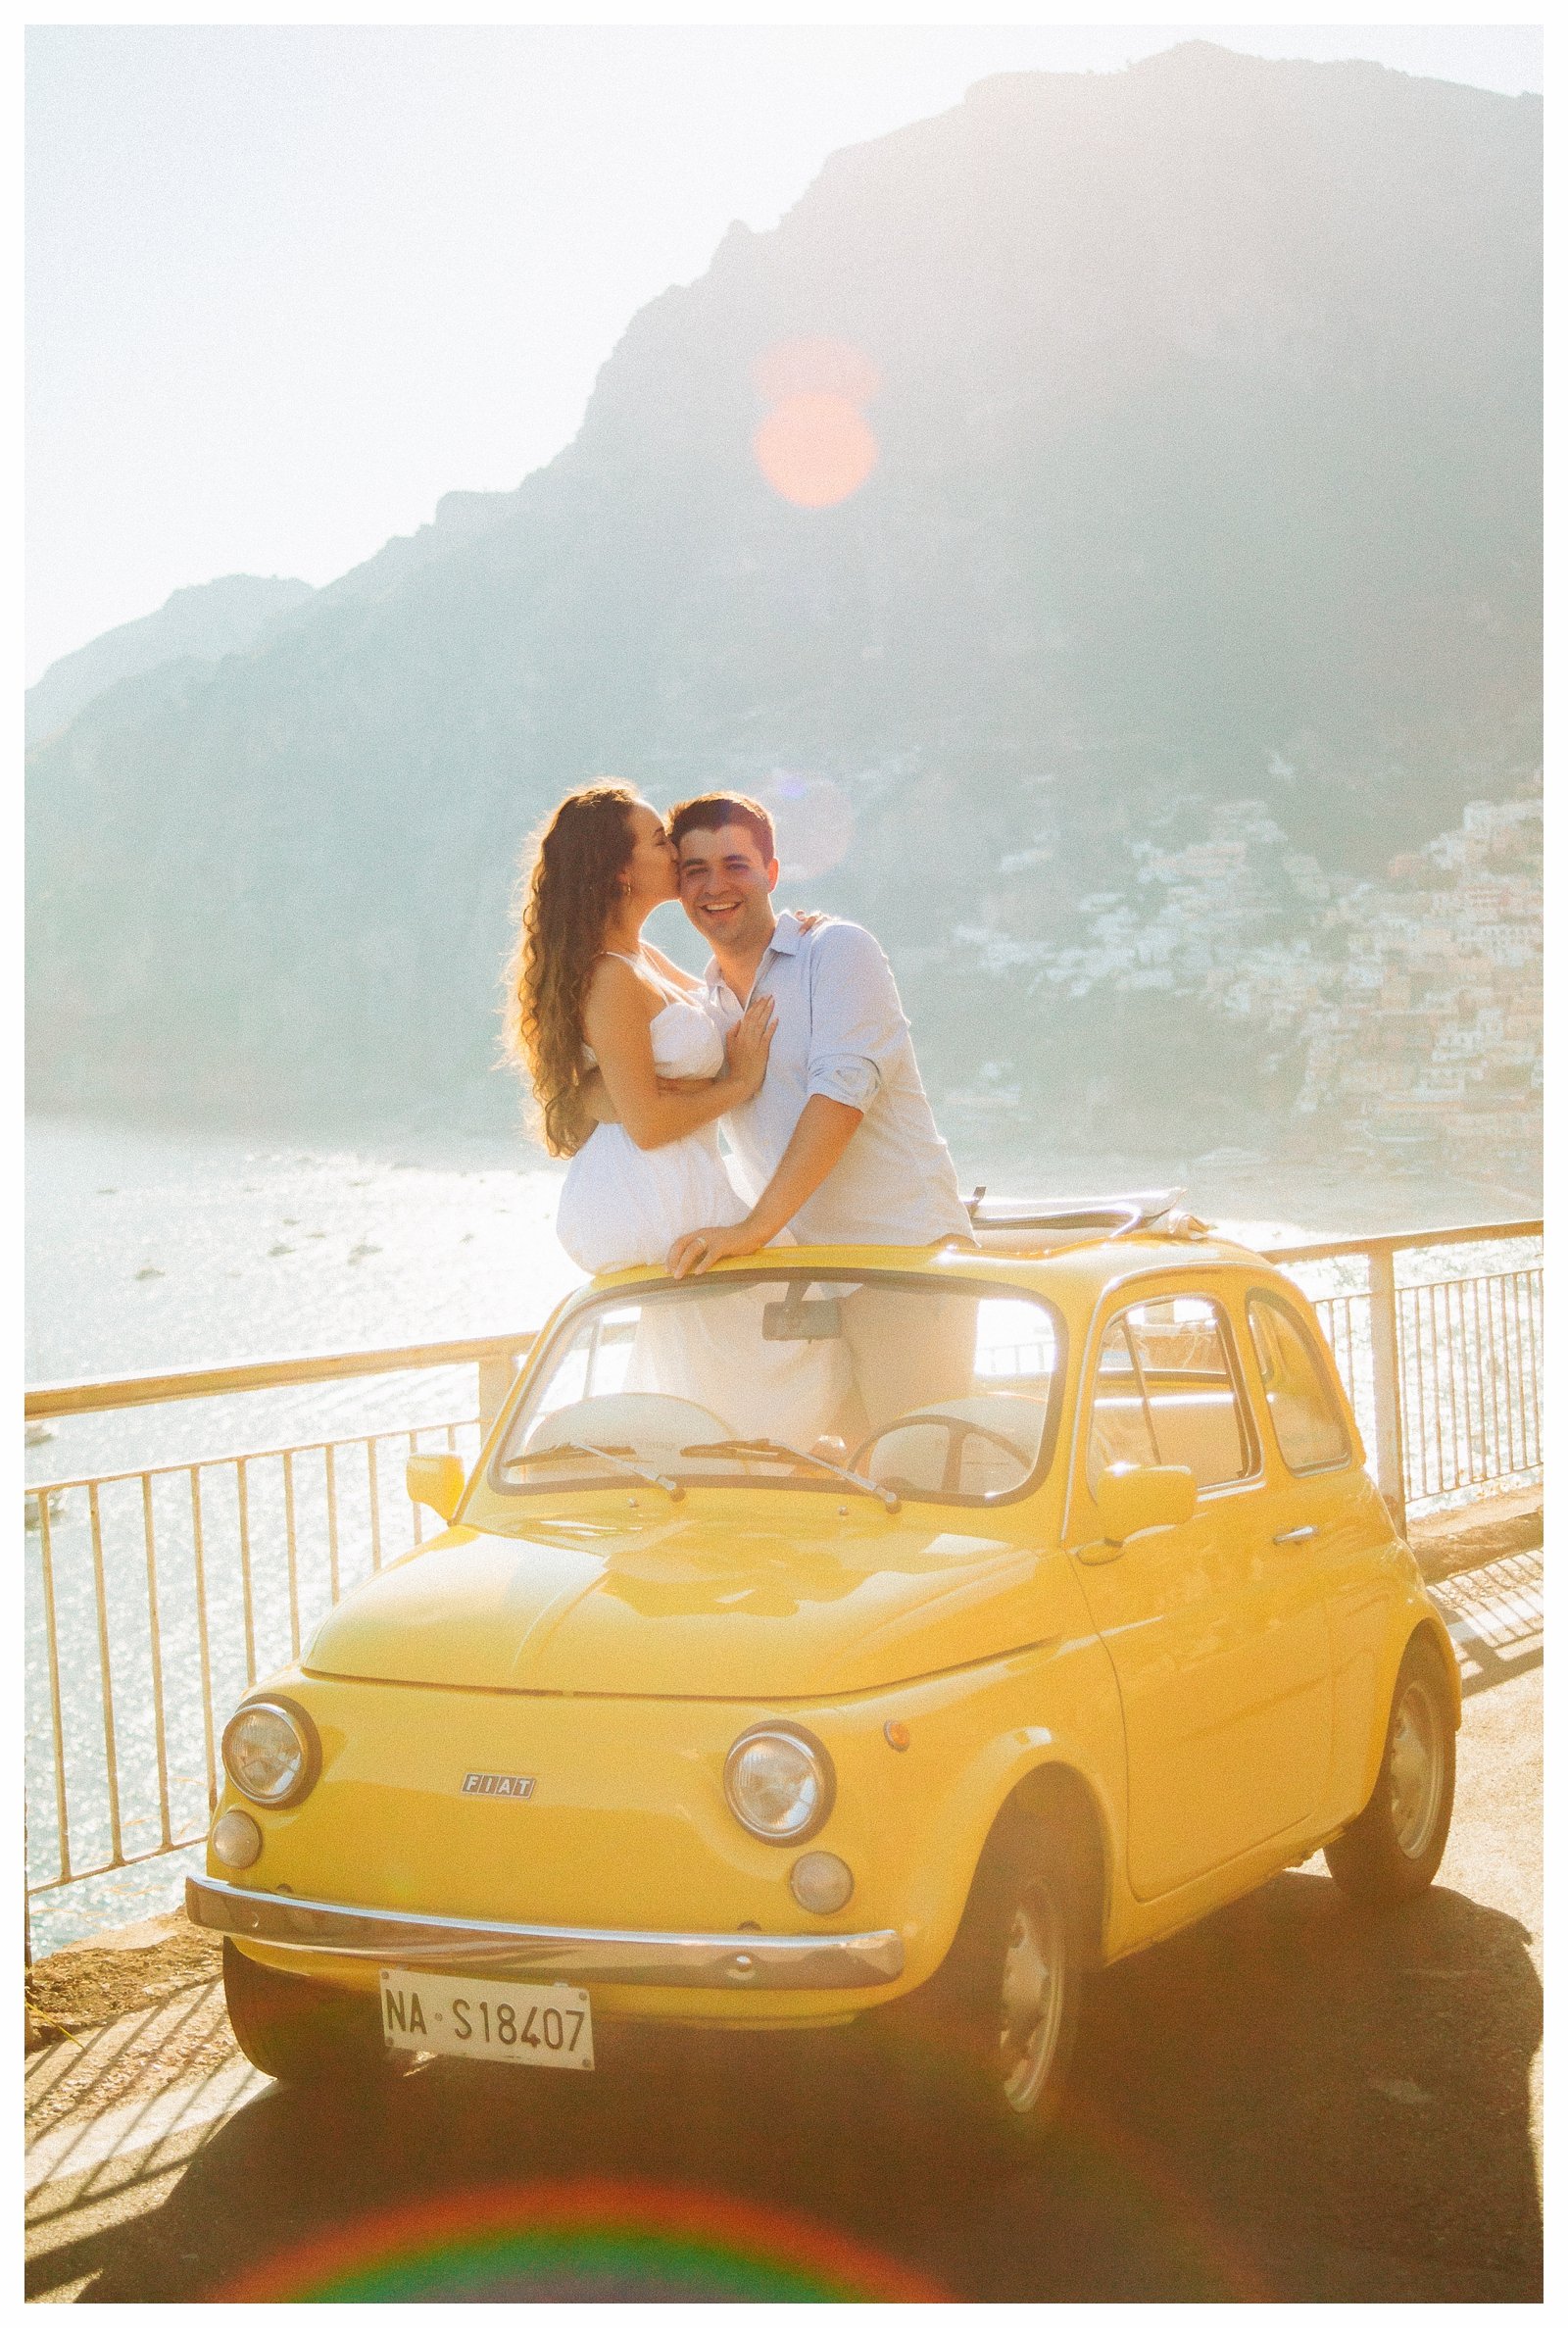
(587, 989)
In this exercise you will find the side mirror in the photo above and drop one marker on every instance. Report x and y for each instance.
(436, 1480)
(1132, 1497)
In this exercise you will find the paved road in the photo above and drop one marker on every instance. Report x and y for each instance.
(1285, 2103)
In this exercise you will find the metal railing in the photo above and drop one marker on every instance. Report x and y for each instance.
(1442, 1372)
(1464, 1347)
(158, 1595)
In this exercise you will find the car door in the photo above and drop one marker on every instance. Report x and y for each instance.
(1224, 1677)
(1334, 1543)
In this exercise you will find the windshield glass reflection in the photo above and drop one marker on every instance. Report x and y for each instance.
(942, 1392)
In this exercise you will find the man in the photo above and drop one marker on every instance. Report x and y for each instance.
(840, 1143)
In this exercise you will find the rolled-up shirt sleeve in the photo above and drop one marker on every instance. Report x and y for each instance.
(856, 1022)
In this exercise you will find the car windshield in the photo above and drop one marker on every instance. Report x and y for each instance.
(902, 1387)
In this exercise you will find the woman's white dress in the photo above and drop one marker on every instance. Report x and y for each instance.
(622, 1206)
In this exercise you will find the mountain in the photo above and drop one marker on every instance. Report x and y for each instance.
(1198, 408)
(195, 626)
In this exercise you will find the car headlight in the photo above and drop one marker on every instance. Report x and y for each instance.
(272, 1753)
(778, 1781)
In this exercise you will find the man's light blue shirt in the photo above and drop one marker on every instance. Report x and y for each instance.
(840, 1030)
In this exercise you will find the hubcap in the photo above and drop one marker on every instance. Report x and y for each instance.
(1415, 1770)
(1033, 1979)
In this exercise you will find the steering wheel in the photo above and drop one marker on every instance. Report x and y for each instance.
(959, 1428)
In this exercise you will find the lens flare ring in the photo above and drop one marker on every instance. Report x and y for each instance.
(612, 2241)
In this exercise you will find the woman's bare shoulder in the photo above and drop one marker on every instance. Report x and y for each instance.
(614, 988)
(612, 973)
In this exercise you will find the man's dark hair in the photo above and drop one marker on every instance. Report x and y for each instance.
(711, 811)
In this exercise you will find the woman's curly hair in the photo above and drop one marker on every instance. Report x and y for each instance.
(566, 893)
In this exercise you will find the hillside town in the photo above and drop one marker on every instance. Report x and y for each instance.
(1406, 1010)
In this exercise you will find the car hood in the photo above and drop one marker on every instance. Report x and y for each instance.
(688, 1608)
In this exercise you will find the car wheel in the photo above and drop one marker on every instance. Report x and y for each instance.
(998, 2021)
(1394, 1849)
(298, 2030)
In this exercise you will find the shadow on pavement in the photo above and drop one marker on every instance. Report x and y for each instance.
(1489, 1670)
(1286, 2102)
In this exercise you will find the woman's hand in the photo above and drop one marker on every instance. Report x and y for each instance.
(746, 1045)
(694, 1254)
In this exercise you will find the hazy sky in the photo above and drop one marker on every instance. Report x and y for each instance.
(289, 284)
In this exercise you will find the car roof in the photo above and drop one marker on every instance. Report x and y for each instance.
(1071, 1269)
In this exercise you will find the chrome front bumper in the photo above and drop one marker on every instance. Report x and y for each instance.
(656, 1959)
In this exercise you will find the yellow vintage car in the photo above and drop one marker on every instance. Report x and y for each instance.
(884, 1633)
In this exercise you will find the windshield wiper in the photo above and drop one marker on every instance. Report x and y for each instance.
(604, 1455)
(798, 1455)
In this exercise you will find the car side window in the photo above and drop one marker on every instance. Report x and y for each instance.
(1166, 1392)
(1306, 1415)
(1119, 1428)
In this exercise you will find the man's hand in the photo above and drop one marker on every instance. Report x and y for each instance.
(691, 1255)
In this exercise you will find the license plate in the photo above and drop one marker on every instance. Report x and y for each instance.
(544, 2027)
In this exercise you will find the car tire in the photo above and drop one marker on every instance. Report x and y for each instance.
(1394, 1848)
(299, 2031)
(994, 2029)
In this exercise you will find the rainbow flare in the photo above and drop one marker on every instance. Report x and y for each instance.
(607, 2242)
